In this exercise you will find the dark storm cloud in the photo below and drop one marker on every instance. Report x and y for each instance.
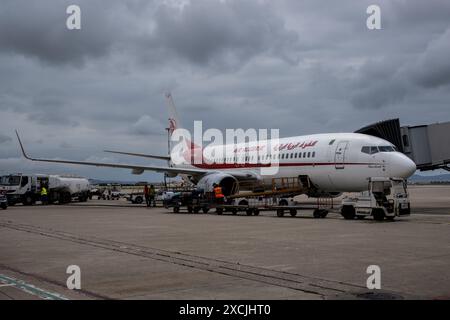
(50, 108)
(390, 80)
(403, 59)
(4, 138)
(224, 33)
(433, 66)
(38, 29)
(206, 32)
(301, 66)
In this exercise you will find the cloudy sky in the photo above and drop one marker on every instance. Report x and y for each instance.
(300, 66)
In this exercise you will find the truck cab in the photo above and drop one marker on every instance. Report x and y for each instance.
(26, 188)
(20, 188)
(385, 198)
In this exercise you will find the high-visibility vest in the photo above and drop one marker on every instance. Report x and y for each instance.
(43, 191)
(218, 192)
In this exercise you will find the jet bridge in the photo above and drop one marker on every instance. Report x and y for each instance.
(427, 145)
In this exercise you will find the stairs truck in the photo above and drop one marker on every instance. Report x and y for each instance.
(26, 188)
(386, 198)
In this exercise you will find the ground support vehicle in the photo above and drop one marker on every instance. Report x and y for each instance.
(386, 198)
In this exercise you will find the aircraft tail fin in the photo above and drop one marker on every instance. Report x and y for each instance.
(174, 120)
(188, 148)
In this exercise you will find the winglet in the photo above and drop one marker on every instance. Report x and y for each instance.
(21, 147)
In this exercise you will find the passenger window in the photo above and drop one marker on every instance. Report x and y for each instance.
(292, 155)
(313, 154)
(304, 154)
(309, 154)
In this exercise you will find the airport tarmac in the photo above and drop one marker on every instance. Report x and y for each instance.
(132, 252)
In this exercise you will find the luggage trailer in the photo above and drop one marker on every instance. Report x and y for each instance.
(278, 199)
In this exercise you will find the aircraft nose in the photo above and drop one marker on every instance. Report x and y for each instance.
(402, 166)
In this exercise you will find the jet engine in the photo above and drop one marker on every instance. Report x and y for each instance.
(229, 184)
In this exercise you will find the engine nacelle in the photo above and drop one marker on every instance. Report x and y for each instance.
(229, 184)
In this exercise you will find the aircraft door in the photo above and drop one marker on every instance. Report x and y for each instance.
(339, 155)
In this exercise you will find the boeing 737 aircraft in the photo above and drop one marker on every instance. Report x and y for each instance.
(332, 162)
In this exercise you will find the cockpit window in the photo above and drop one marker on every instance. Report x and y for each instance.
(369, 149)
(386, 148)
(373, 149)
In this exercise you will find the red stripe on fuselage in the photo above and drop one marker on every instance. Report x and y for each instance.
(286, 164)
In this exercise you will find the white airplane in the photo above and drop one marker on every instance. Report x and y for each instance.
(326, 164)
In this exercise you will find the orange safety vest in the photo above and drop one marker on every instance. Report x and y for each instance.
(218, 192)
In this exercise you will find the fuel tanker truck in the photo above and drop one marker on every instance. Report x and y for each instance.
(26, 188)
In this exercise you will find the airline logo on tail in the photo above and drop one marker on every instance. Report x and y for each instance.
(172, 125)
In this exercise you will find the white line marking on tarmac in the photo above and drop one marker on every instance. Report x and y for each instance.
(29, 288)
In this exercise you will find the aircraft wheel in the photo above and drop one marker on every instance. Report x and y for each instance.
(324, 214)
(219, 211)
(249, 212)
(176, 209)
(293, 212)
(28, 201)
(205, 210)
(378, 214)
(348, 212)
(256, 212)
(280, 213)
(317, 213)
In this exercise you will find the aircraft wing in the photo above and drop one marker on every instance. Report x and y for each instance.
(138, 169)
(139, 155)
(135, 168)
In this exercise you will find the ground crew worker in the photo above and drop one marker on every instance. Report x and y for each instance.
(147, 195)
(44, 195)
(152, 195)
(218, 194)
